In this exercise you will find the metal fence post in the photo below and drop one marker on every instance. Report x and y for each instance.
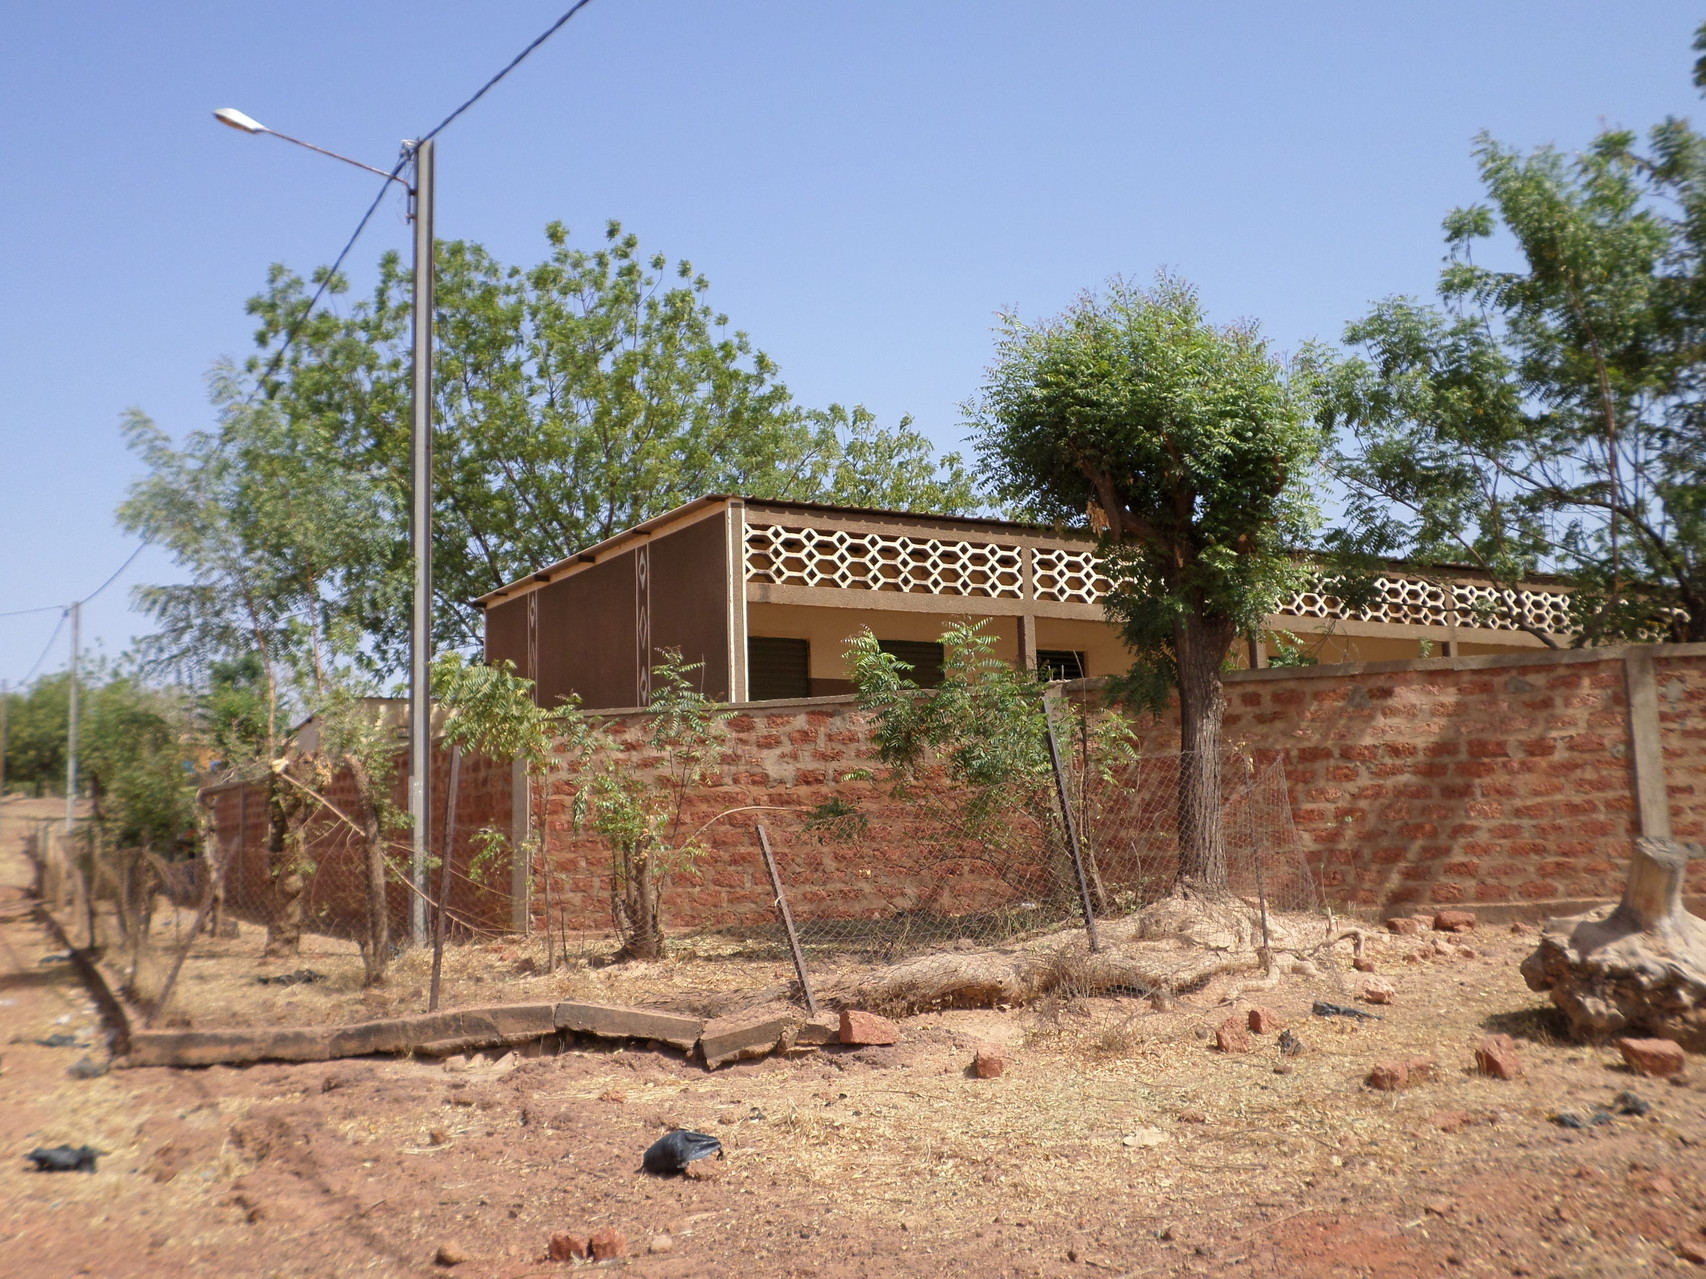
(1067, 820)
(787, 920)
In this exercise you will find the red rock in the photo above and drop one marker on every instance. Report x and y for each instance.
(450, 1254)
(867, 1028)
(1231, 1037)
(1408, 925)
(1496, 1055)
(567, 1247)
(1377, 990)
(1423, 1070)
(1389, 1076)
(1657, 1058)
(988, 1063)
(1363, 964)
(1450, 1120)
(608, 1244)
(1264, 1021)
(1691, 1252)
(1454, 921)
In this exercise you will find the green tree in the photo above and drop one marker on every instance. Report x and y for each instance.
(985, 727)
(1188, 447)
(36, 719)
(1549, 416)
(642, 816)
(575, 397)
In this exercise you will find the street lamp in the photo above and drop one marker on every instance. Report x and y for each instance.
(420, 498)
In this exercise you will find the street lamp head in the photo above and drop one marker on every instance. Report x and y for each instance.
(237, 120)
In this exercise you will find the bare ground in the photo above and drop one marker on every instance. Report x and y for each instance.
(1118, 1143)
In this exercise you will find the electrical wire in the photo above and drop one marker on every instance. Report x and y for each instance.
(326, 281)
(41, 608)
(514, 63)
(48, 648)
(121, 568)
(290, 336)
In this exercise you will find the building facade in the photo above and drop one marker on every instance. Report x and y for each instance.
(765, 594)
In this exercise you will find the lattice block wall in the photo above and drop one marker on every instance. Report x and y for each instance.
(784, 556)
(1417, 601)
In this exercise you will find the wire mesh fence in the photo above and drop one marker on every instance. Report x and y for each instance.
(932, 905)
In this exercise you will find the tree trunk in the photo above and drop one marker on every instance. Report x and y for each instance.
(376, 945)
(1201, 645)
(286, 870)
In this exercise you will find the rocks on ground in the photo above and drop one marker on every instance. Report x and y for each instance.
(867, 1029)
(1496, 1056)
(1655, 1058)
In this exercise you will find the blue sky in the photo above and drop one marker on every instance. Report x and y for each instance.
(866, 185)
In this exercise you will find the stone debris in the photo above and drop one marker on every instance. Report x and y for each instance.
(1264, 1021)
(661, 1243)
(1232, 1037)
(867, 1029)
(1627, 1103)
(989, 1063)
(1655, 1058)
(1454, 921)
(608, 1244)
(569, 1247)
(1377, 990)
(1497, 1057)
(1389, 1076)
(822, 1029)
(1408, 925)
(450, 1253)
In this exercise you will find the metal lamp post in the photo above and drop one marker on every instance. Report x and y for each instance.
(420, 496)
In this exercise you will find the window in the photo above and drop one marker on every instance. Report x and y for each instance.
(924, 656)
(777, 669)
(1060, 663)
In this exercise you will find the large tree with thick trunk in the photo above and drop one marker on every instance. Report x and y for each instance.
(1187, 447)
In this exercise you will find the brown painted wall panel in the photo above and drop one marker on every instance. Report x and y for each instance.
(506, 635)
(689, 600)
(587, 642)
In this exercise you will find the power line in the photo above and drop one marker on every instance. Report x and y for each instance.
(44, 608)
(514, 63)
(121, 568)
(325, 283)
(48, 648)
(326, 280)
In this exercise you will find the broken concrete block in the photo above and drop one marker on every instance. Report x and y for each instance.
(610, 1021)
(867, 1028)
(742, 1036)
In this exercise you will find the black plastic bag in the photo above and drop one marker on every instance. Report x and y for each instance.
(64, 1158)
(673, 1151)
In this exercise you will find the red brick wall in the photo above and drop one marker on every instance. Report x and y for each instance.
(1495, 781)
(333, 902)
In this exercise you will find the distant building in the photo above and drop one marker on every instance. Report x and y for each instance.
(766, 593)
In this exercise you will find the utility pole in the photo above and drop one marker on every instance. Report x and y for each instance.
(420, 534)
(71, 733)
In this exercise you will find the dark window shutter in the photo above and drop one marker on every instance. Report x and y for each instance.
(777, 669)
(1060, 663)
(923, 656)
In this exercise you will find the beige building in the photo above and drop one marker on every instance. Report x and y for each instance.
(766, 593)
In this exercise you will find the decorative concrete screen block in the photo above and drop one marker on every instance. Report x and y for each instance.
(1067, 577)
(1419, 601)
(833, 557)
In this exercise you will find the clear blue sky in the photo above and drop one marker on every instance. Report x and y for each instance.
(865, 184)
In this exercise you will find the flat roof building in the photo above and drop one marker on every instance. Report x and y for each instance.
(766, 593)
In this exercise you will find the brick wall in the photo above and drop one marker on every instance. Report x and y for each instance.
(1499, 781)
(334, 899)
(1506, 782)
